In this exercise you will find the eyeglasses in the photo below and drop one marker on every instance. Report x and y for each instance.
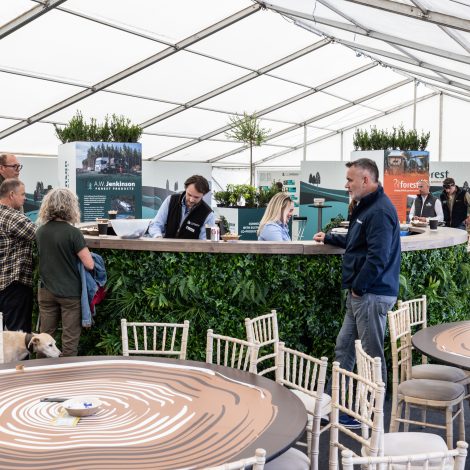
(17, 167)
(448, 186)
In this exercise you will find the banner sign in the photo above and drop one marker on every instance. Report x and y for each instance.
(105, 176)
(322, 180)
(402, 172)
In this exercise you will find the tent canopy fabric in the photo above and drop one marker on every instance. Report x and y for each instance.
(311, 70)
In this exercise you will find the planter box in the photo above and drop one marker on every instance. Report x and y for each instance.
(105, 176)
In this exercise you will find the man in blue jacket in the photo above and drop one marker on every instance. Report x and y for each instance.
(371, 264)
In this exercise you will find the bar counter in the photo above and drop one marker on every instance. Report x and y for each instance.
(422, 239)
(218, 284)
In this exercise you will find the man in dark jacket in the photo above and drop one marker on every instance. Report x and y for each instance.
(371, 264)
(184, 215)
(455, 205)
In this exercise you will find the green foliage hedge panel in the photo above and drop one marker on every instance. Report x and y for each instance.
(219, 290)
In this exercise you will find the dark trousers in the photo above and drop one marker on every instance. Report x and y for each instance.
(52, 310)
(16, 304)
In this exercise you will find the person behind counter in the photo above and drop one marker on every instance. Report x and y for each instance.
(455, 204)
(426, 205)
(61, 246)
(184, 215)
(273, 226)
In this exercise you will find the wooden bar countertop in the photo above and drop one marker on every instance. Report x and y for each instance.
(423, 239)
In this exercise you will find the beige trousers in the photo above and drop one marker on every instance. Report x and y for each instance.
(52, 310)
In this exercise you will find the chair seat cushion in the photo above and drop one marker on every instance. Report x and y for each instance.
(309, 402)
(409, 443)
(438, 372)
(436, 390)
(293, 459)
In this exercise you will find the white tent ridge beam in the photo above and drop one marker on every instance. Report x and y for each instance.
(28, 16)
(416, 13)
(422, 77)
(369, 33)
(347, 128)
(194, 38)
(353, 21)
(442, 77)
(235, 83)
(269, 109)
(451, 33)
(318, 117)
(391, 55)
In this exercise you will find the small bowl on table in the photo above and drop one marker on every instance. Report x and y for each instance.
(82, 406)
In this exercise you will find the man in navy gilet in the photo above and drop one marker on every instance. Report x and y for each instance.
(184, 215)
(426, 205)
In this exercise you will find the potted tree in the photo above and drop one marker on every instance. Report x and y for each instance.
(247, 129)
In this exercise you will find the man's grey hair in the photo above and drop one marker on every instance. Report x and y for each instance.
(9, 185)
(366, 164)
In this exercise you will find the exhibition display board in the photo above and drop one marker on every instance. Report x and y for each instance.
(105, 176)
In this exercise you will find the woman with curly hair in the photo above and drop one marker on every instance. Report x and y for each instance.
(61, 246)
(273, 226)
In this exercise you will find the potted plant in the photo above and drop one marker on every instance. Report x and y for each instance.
(114, 129)
(222, 198)
(265, 195)
(397, 139)
(247, 129)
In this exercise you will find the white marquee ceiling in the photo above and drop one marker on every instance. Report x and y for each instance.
(311, 69)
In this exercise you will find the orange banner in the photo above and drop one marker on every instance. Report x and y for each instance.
(402, 171)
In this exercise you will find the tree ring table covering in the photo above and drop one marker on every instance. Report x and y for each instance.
(156, 413)
(448, 343)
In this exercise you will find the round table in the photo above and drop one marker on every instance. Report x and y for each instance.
(156, 414)
(448, 343)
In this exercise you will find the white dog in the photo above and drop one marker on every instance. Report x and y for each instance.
(17, 345)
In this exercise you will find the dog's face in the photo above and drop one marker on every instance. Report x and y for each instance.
(45, 344)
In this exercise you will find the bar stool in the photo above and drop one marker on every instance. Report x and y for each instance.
(302, 224)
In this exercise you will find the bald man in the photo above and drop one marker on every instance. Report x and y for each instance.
(426, 205)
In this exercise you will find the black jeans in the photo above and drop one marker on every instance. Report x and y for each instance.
(16, 304)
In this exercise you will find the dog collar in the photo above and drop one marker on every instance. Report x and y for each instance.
(29, 343)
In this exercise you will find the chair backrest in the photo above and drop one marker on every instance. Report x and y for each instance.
(302, 372)
(400, 338)
(362, 400)
(418, 316)
(368, 367)
(158, 339)
(264, 330)
(231, 352)
(431, 460)
(2, 357)
(256, 463)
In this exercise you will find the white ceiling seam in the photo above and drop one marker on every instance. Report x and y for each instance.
(235, 83)
(28, 16)
(370, 33)
(352, 126)
(320, 116)
(264, 111)
(134, 69)
(416, 13)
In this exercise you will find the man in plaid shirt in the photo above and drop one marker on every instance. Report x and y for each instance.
(17, 234)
